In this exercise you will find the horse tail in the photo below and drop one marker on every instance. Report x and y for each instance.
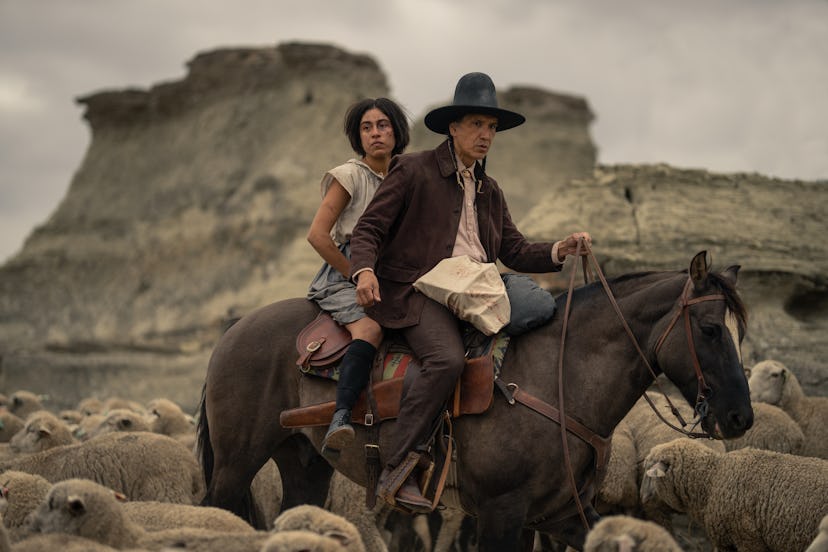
(204, 449)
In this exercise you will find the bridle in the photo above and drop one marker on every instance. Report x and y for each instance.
(599, 443)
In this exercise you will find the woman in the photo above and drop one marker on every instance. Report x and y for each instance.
(377, 130)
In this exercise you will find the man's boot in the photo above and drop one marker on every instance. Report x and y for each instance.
(410, 496)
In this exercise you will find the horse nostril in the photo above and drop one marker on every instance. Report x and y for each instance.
(738, 421)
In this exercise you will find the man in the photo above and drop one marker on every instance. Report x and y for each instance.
(433, 205)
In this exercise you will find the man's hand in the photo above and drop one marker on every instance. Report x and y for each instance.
(568, 245)
(367, 290)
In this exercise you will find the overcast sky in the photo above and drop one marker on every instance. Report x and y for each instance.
(726, 85)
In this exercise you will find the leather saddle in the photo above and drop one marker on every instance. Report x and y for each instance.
(322, 344)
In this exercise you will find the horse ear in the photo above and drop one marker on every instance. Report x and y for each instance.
(698, 269)
(730, 273)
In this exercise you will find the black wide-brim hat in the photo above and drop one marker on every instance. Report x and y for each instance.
(475, 93)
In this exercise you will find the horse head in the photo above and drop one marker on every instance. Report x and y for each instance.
(700, 350)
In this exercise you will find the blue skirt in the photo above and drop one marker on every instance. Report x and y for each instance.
(334, 293)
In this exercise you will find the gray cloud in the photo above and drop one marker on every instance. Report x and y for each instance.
(728, 86)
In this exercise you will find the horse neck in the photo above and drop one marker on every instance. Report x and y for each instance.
(646, 304)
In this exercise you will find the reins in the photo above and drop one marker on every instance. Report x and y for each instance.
(599, 443)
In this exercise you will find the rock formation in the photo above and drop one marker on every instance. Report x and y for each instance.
(191, 205)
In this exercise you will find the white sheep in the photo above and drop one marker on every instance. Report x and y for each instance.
(160, 516)
(773, 383)
(42, 431)
(143, 466)
(23, 403)
(748, 499)
(318, 520)
(9, 425)
(71, 417)
(83, 508)
(301, 541)
(638, 432)
(23, 493)
(117, 403)
(628, 534)
(772, 430)
(266, 490)
(90, 405)
(120, 420)
(87, 426)
(820, 543)
(168, 418)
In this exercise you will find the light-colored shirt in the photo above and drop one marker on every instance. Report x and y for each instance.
(467, 241)
(361, 182)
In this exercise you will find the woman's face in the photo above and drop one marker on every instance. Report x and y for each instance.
(377, 134)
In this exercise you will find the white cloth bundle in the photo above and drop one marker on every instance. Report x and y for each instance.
(472, 290)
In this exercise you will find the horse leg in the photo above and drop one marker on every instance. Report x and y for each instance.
(500, 524)
(306, 476)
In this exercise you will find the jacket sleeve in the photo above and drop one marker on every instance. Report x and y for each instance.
(519, 254)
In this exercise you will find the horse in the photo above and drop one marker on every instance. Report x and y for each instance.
(509, 461)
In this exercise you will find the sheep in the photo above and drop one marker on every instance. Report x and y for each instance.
(318, 520)
(266, 489)
(301, 541)
(347, 499)
(9, 425)
(119, 403)
(619, 489)
(120, 420)
(43, 430)
(86, 509)
(167, 418)
(771, 382)
(142, 465)
(23, 403)
(87, 426)
(23, 492)
(820, 543)
(748, 499)
(90, 406)
(638, 432)
(159, 516)
(625, 533)
(772, 430)
(71, 417)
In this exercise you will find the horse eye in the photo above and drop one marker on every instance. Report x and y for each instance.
(711, 331)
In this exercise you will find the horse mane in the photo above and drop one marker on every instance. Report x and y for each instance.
(733, 302)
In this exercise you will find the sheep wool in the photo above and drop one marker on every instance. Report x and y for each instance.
(85, 509)
(772, 429)
(772, 382)
(9, 425)
(306, 541)
(142, 466)
(617, 533)
(318, 520)
(43, 430)
(820, 543)
(24, 492)
(748, 499)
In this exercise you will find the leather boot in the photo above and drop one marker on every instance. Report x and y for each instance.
(340, 434)
(409, 495)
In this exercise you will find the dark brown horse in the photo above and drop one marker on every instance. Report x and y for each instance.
(510, 467)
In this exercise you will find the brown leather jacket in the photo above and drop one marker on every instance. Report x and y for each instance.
(411, 225)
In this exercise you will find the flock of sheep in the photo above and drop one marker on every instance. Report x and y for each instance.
(119, 475)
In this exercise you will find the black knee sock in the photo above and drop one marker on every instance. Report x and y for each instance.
(354, 371)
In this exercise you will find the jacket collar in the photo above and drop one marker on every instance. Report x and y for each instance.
(446, 163)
